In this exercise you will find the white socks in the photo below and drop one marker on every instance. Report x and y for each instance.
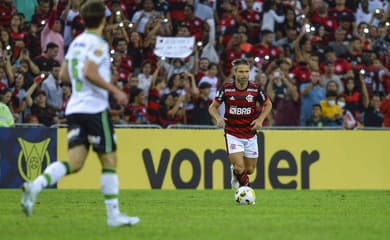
(52, 174)
(110, 190)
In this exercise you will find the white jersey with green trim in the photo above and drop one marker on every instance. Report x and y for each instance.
(87, 97)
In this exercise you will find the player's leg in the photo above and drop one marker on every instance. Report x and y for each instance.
(250, 155)
(78, 151)
(104, 144)
(238, 167)
(235, 149)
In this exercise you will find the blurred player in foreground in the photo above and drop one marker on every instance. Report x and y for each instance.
(87, 66)
(241, 121)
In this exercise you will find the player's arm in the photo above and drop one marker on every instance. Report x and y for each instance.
(258, 122)
(266, 110)
(64, 74)
(91, 73)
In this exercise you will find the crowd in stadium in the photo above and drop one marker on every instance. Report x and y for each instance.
(323, 63)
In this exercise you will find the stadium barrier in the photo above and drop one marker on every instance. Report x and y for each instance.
(196, 158)
(301, 159)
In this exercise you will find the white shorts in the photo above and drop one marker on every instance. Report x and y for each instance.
(247, 146)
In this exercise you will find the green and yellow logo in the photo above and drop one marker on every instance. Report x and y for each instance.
(33, 155)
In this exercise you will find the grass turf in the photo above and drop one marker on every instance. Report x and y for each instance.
(196, 214)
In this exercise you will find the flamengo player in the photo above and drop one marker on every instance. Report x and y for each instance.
(241, 121)
(87, 66)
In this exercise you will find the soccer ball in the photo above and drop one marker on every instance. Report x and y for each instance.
(245, 196)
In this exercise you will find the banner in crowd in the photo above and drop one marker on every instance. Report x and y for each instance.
(25, 153)
(174, 47)
(196, 159)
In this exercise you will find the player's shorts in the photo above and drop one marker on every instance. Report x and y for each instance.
(246, 145)
(92, 129)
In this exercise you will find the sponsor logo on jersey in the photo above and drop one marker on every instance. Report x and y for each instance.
(232, 98)
(239, 111)
(230, 90)
(249, 98)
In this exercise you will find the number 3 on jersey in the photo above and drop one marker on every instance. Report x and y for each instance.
(75, 73)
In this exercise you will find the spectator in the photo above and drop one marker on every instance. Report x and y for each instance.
(252, 20)
(135, 112)
(320, 17)
(232, 51)
(285, 96)
(18, 94)
(201, 101)
(254, 66)
(355, 100)
(349, 121)
(154, 99)
(330, 76)
(70, 12)
(265, 50)
(66, 93)
(315, 119)
(33, 40)
(53, 89)
(42, 12)
(51, 33)
(126, 63)
(171, 110)
(372, 116)
(228, 22)
(39, 108)
(261, 80)
(27, 67)
(47, 60)
(270, 17)
(338, 45)
(331, 112)
(141, 17)
(145, 77)
(27, 8)
(370, 74)
(17, 34)
(312, 93)
(385, 109)
(203, 11)
(6, 13)
(6, 117)
(134, 49)
(177, 66)
(6, 72)
(212, 79)
(195, 24)
(201, 68)
(176, 10)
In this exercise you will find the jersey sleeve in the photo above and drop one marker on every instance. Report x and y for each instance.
(97, 53)
(220, 96)
(262, 97)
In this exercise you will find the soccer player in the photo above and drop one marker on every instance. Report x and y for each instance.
(241, 121)
(87, 66)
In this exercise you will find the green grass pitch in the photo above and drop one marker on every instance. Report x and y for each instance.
(201, 214)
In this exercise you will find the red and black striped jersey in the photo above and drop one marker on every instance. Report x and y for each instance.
(241, 108)
(153, 108)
